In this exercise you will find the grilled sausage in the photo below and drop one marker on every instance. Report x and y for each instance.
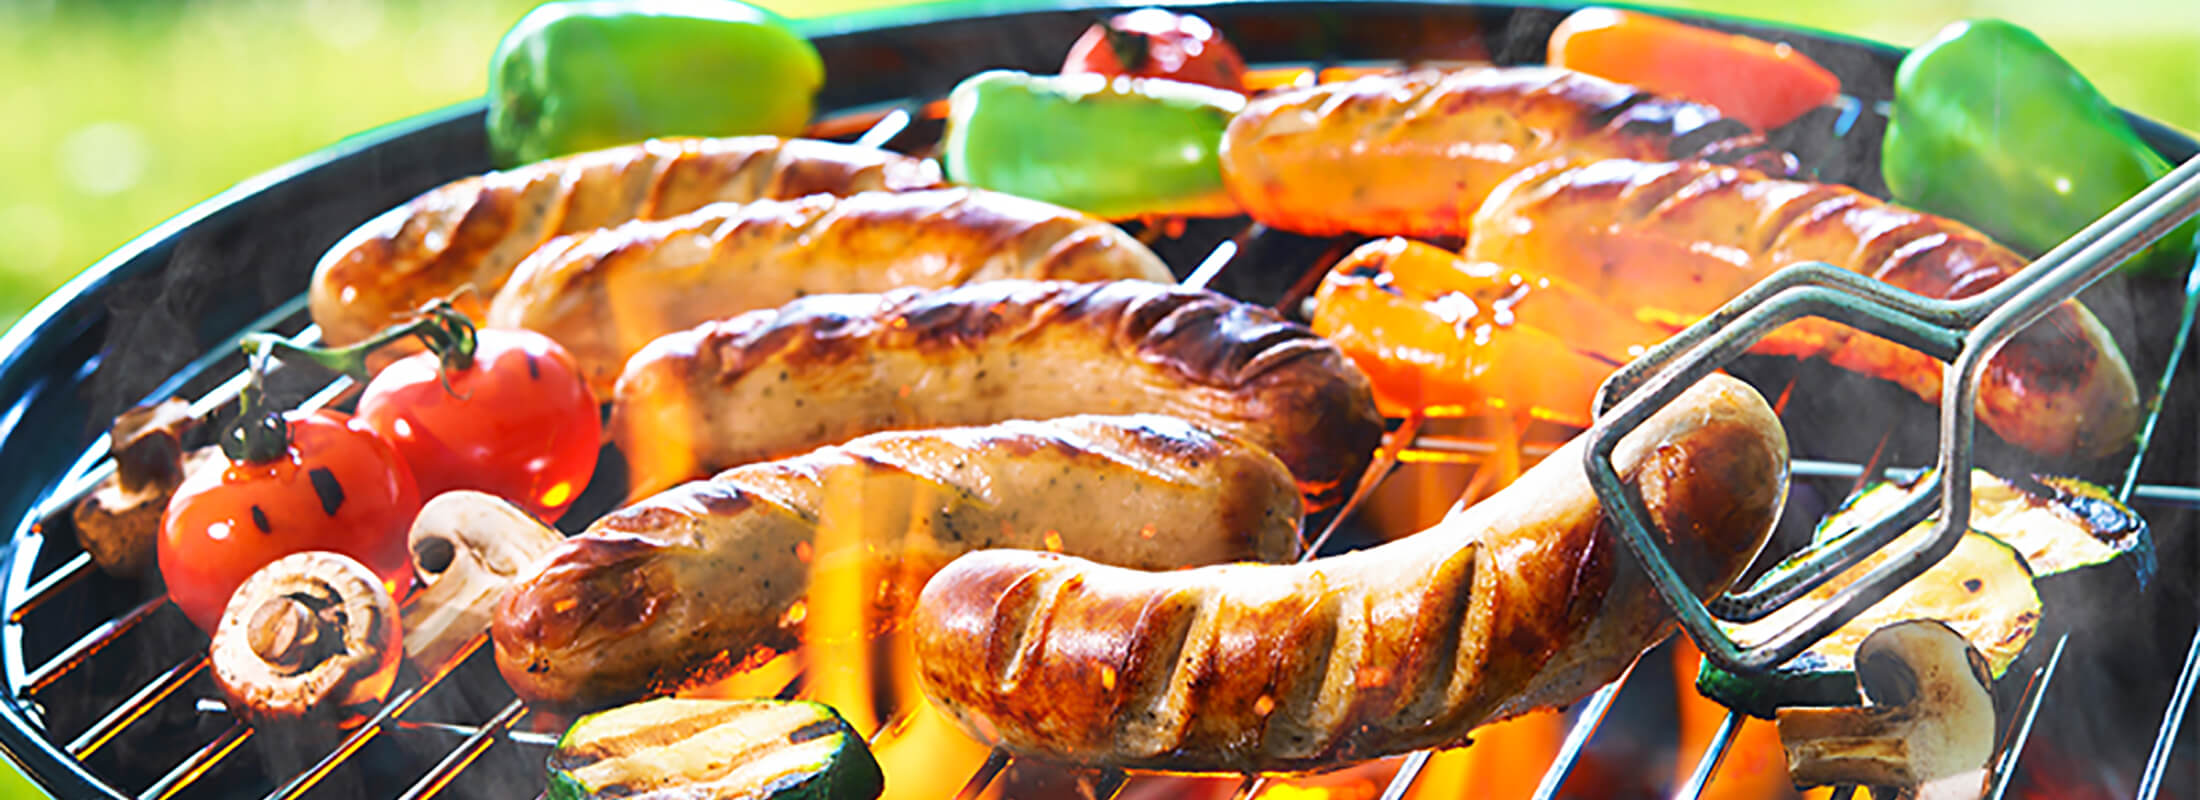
(1414, 154)
(692, 583)
(1523, 601)
(1684, 238)
(606, 293)
(828, 367)
(470, 232)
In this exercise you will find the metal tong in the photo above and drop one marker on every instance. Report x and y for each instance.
(1964, 333)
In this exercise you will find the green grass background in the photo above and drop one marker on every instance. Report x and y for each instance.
(115, 115)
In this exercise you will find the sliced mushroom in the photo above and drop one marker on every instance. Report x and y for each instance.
(119, 522)
(468, 547)
(1926, 731)
(311, 636)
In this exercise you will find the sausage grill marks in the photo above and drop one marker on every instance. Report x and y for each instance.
(1683, 238)
(707, 577)
(468, 234)
(829, 367)
(1414, 154)
(605, 294)
(1523, 601)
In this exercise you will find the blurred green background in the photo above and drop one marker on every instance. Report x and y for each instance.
(116, 114)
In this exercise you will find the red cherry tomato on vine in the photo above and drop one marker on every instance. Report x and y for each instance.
(337, 486)
(1157, 43)
(518, 422)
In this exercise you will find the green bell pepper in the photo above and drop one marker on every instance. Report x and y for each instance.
(575, 76)
(1990, 126)
(1119, 148)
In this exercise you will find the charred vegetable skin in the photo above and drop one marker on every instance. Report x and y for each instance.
(1983, 589)
(604, 294)
(1991, 126)
(1414, 154)
(1438, 334)
(684, 586)
(1677, 240)
(1114, 148)
(1520, 602)
(461, 240)
(574, 76)
(751, 749)
(305, 481)
(828, 367)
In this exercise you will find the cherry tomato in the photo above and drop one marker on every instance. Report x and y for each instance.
(1156, 43)
(518, 422)
(337, 486)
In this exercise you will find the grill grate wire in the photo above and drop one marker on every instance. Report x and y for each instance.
(1406, 444)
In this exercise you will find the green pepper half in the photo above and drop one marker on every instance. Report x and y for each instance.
(1113, 148)
(575, 76)
(1992, 127)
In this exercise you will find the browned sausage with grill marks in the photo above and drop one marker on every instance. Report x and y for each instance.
(1413, 154)
(691, 583)
(470, 232)
(1526, 600)
(603, 294)
(1678, 240)
(828, 367)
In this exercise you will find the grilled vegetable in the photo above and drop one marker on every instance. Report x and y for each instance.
(1982, 589)
(702, 749)
(119, 522)
(468, 547)
(312, 636)
(575, 76)
(1158, 43)
(2067, 530)
(1992, 127)
(1439, 334)
(297, 482)
(1113, 148)
(1928, 731)
(1760, 83)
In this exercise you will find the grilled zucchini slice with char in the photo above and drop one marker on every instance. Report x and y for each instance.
(2030, 537)
(673, 747)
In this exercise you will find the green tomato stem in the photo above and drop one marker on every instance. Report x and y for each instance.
(259, 434)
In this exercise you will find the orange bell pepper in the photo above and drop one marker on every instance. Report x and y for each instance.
(1442, 335)
(1763, 84)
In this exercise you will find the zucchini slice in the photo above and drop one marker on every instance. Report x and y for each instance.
(776, 749)
(2064, 527)
(1982, 589)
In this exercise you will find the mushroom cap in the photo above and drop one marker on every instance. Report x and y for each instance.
(310, 635)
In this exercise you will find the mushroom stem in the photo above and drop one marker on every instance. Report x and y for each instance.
(1929, 731)
(285, 632)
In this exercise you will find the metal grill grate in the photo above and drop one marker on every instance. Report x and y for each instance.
(451, 748)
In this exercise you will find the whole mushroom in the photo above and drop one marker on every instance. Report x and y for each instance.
(311, 636)
(468, 547)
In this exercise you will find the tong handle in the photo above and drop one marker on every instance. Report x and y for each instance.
(1964, 333)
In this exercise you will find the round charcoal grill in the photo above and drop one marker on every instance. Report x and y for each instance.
(106, 692)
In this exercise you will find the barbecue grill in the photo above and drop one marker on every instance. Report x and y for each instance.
(106, 690)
